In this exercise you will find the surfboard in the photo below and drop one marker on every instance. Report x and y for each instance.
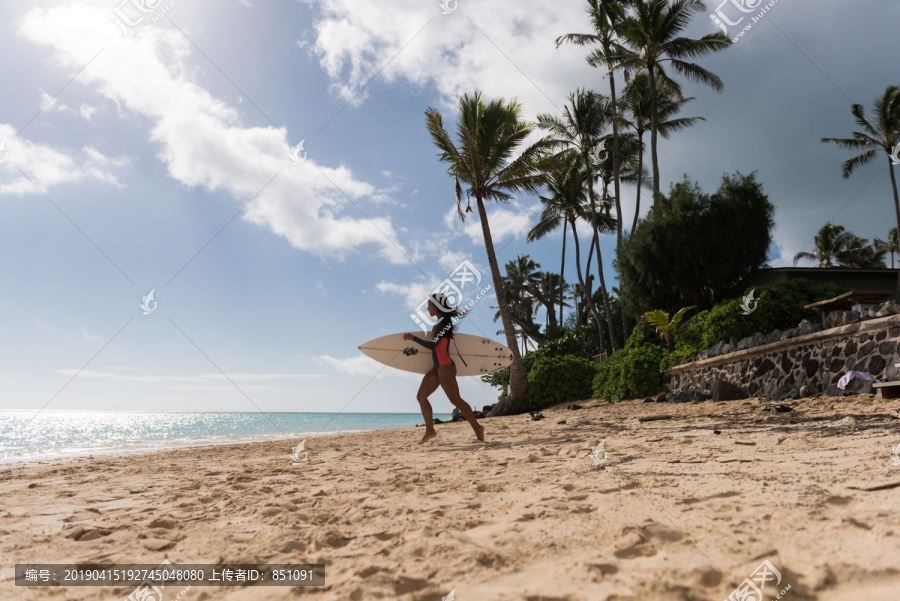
(473, 355)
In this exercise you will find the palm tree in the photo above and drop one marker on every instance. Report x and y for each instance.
(650, 34)
(667, 327)
(829, 243)
(521, 274)
(561, 180)
(584, 121)
(489, 133)
(859, 254)
(604, 16)
(883, 134)
(549, 290)
(891, 246)
(637, 100)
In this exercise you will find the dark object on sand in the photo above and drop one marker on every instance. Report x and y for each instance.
(649, 400)
(654, 418)
(805, 391)
(438, 420)
(573, 407)
(778, 407)
(561, 422)
(717, 431)
(535, 416)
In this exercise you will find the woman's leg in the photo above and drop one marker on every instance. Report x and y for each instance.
(429, 384)
(447, 374)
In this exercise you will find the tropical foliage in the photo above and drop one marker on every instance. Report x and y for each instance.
(693, 248)
(834, 246)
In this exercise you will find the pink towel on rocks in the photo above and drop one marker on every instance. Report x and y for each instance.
(845, 379)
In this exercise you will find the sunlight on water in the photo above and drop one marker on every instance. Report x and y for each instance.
(25, 434)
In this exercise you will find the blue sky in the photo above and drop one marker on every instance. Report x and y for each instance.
(139, 171)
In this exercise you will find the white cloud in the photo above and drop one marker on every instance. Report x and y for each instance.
(504, 222)
(48, 167)
(202, 139)
(455, 53)
(364, 366)
(54, 105)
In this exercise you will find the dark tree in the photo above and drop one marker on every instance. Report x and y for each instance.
(693, 248)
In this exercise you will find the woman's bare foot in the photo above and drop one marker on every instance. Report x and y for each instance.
(479, 432)
(428, 436)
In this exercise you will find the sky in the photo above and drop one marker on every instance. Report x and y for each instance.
(264, 168)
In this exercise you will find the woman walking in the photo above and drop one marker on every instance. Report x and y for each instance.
(444, 372)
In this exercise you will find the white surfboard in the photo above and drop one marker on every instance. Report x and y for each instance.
(473, 355)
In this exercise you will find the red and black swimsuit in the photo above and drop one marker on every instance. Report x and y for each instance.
(439, 343)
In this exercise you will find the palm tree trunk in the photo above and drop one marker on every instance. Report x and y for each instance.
(518, 378)
(603, 294)
(616, 188)
(653, 127)
(562, 274)
(602, 282)
(896, 211)
(585, 291)
(640, 173)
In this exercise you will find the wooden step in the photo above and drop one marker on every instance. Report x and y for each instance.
(888, 390)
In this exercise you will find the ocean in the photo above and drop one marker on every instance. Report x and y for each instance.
(30, 434)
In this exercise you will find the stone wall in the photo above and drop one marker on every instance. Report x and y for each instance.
(777, 365)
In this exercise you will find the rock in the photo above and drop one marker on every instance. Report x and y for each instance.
(728, 347)
(157, 544)
(574, 407)
(649, 400)
(866, 348)
(859, 386)
(535, 416)
(787, 334)
(686, 396)
(784, 392)
(849, 317)
(765, 367)
(745, 343)
(805, 391)
(773, 336)
(486, 408)
(807, 327)
(778, 407)
(561, 422)
(726, 391)
(875, 365)
(833, 390)
(438, 420)
(891, 372)
(661, 397)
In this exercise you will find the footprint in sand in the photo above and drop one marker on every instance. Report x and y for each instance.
(639, 541)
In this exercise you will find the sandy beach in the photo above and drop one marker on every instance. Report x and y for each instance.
(683, 506)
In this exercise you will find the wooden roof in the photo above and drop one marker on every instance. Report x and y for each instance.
(848, 299)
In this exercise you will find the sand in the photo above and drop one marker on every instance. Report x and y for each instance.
(674, 511)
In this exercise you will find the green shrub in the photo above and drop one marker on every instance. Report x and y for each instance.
(557, 380)
(630, 373)
(565, 346)
(778, 307)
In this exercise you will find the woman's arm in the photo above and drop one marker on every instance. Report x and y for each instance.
(426, 343)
